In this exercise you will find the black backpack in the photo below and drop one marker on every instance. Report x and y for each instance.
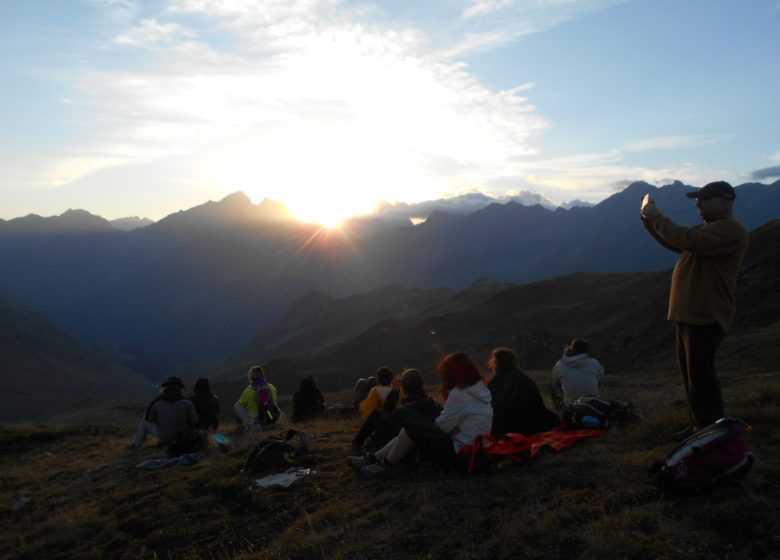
(606, 412)
(280, 452)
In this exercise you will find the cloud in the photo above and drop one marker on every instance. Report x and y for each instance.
(481, 7)
(369, 107)
(676, 142)
(499, 22)
(151, 33)
(766, 173)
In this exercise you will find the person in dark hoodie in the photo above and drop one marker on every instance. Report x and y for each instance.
(517, 405)
(308, 402)
(383, 425)
(170, 417)
(206, 405)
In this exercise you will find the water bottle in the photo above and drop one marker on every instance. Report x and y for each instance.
(590, 422)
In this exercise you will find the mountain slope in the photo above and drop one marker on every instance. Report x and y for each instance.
(624, 316)
(45, 370)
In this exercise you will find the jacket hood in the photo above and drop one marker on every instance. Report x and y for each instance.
(576, 361)
(478, 392)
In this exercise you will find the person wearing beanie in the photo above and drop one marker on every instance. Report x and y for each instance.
(704, 281)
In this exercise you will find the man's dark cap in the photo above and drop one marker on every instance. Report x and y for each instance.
(714, 190)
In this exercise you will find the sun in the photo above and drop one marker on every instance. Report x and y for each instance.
(323, 174)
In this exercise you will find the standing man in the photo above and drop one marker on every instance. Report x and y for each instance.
(704, 281)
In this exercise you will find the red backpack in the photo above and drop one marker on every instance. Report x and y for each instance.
(710, 457)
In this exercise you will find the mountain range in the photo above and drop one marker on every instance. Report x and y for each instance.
(201, 284)
(622, 314)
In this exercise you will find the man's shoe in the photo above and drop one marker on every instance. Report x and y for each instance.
(380, 470)
(683, 434)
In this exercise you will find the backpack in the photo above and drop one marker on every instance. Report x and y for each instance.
(710, 457)
(268, 411)
(597, 413)
(280, 452)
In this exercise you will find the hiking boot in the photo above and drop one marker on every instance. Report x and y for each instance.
(380, 469)
(682, 435)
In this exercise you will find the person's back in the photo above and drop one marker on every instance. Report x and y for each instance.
(377, 395)
(576, 374)
(174, 415)
(517, 404)
(206, 405)
(308, 402)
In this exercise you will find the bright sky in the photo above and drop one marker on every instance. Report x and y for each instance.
(136, 107)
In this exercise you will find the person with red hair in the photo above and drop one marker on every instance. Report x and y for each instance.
(467, 413)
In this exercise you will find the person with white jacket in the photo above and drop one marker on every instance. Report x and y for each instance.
(467, 413)
(575, 375)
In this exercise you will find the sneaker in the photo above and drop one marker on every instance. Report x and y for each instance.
(683, 434)
(380, 469)
(357, 462)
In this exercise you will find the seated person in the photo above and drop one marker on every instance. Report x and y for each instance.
(171, 417)
(308, 402)
(383, 425)
(575, 375)
(517, 405)
(359, 392)
(206, 405)
(377, 395)
(258, 404)
(466, 414)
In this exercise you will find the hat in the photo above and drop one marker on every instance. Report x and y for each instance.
(714, 190)
(174, 382)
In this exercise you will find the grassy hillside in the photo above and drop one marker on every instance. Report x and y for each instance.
(87, 499)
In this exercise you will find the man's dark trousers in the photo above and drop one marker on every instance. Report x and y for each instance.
(696, 349)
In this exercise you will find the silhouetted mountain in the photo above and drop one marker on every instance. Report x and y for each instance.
(71, 222)
(623, 315)
(45, 370)
(131, 223)
(198, 284)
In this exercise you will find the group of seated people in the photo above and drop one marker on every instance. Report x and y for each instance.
(175, 420)
(398, 414)
(179, 422)
(509, 402)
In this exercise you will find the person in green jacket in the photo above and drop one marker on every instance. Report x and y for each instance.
(704, 281)
(258, 404)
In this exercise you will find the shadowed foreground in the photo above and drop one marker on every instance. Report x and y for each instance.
(87, 499)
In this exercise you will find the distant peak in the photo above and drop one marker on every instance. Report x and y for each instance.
(238, 197)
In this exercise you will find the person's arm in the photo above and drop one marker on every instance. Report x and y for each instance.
(710, 239)
(451, 414)
(660, 240)
(192, 415)
(556, 391)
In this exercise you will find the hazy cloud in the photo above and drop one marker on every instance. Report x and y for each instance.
(151, 32)
(618, 186)
(676, 142)
(766, 173)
